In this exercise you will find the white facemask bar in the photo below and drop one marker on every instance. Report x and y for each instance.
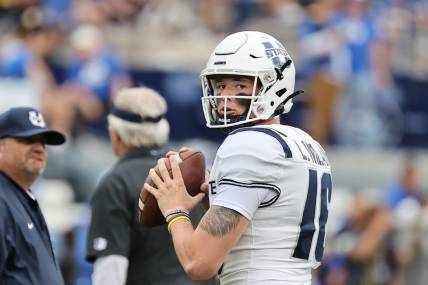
(208, 108)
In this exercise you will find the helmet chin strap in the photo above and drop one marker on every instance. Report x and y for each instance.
(239, 118)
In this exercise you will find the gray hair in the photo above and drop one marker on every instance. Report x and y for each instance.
(145, 102)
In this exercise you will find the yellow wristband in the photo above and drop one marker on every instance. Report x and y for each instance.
(183, 217)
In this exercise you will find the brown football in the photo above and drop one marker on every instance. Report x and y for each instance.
(192, 168)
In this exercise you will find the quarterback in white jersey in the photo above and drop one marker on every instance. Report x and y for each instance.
(278, 178)
(270, 184)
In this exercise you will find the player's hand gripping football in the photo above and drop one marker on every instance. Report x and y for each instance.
(170, 192)
(204, 185)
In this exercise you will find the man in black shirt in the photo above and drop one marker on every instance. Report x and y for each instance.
(124, 251)
(26, 255)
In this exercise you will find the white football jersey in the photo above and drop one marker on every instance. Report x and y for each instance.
(279, 178)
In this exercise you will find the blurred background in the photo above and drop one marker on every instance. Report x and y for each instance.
(363, 66)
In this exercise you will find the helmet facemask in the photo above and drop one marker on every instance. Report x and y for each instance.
(218, 108)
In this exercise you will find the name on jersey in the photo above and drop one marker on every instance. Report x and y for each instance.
(312, 154)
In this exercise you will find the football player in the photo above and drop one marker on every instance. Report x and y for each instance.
(270, 184)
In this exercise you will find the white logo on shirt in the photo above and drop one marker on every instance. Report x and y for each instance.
(36, 119)
(30, 225)
(100, 243)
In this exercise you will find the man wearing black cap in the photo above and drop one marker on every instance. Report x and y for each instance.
(26, 255)
(124, 251)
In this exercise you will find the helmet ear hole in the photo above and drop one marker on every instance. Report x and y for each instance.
(272, 103)
(281, 92)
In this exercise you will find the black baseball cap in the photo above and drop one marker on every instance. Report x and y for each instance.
(23, 122)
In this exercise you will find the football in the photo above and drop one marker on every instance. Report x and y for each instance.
(192, 166)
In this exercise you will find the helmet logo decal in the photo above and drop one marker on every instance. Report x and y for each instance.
(278, 55)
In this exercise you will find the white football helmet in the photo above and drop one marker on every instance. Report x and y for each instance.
(251, 54)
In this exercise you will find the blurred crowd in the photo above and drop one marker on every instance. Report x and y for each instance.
(380, 240)
(362, 64)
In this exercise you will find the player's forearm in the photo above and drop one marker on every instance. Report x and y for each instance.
(190, 251)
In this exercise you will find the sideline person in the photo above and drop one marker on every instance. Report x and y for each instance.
(26, 254)
(124, 251)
